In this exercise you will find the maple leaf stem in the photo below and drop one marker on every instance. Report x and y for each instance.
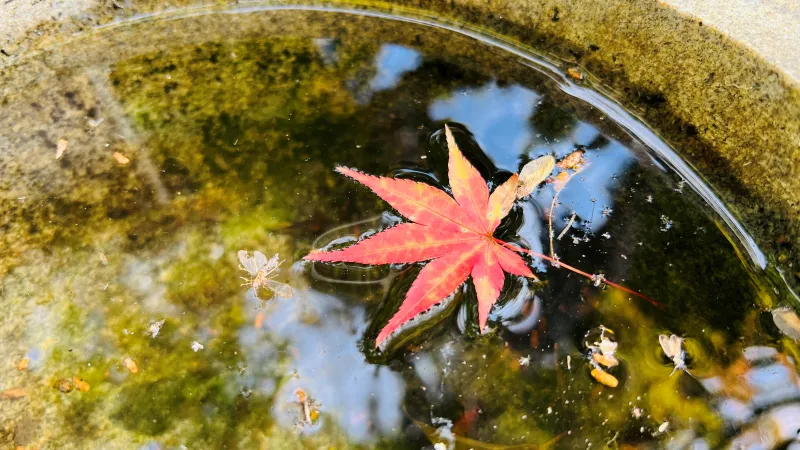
(578, 271)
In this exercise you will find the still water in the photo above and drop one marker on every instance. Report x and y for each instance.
(190, 137)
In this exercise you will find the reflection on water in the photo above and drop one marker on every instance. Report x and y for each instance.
(232, 143)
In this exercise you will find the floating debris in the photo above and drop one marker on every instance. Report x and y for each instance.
(608, 361)
(524, 361)
(13, 394)
(61, 148)
(122, 159)
(560, 181)
(103, 258)
(598, 279)
(606, 212)
(569, 225)
(666, 223)
(131, 365)
(672, 348)
(80, 384)
(575, 74)
(602, 354)
(94, 123)
(649, 199)
(606, 235)
(155, 327)
(604, 377)
(259, 320)
(23, 364)
(196, 346)
(636, 413)
(663, 427)
(309, 409)
(64, 385)
(572, 160)
(534, 173)
(262, 271)
(787, 321)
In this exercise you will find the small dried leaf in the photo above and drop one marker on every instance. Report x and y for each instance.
(80, 384)
(604, 378)
(606, 360)
(572, 160)
(23, 364)
(122, 159)
(787, 321)
(61, 148)
(13, 394)
(131, 365)
(560, 181)
(502, 200)
(575, 74)
(534, 173)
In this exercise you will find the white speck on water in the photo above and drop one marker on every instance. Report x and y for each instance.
(549, 410)
(606, 235)
(196, 346)
(525, 360)
(649, 199)
(663, 427)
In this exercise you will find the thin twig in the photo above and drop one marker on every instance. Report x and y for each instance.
(553, 206)
(578, 271)
(569, 225)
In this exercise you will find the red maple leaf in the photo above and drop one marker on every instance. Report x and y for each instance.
(456, 234)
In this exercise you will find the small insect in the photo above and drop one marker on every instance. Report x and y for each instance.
(261, 271)
(672, 348)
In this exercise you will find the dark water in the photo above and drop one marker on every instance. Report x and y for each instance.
(233, 124)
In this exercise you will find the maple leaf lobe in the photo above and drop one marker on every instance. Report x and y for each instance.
(455, 233)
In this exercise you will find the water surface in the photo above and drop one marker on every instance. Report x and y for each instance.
(233, 124)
